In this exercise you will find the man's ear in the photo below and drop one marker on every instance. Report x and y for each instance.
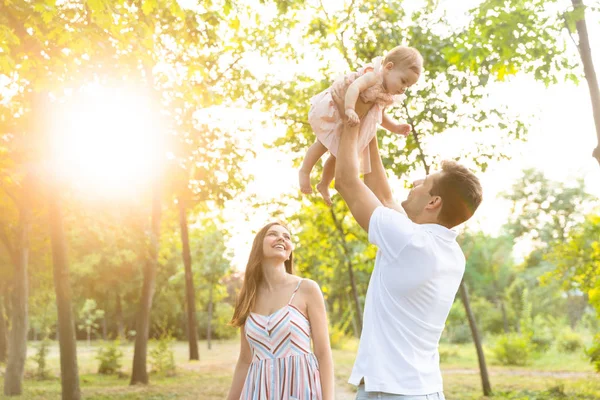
(435, 203)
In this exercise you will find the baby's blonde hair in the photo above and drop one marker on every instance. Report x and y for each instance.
(407, 57)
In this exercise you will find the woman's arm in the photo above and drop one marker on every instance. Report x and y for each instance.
(241, 368)
(317, 316)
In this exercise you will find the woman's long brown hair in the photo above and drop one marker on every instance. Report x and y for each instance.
(254, 276)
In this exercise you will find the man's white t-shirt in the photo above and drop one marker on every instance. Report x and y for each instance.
(418, 270)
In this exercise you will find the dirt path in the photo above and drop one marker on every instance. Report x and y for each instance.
(521, 372)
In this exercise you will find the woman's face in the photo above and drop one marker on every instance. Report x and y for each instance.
(277, 245)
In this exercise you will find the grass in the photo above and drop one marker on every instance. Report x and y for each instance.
(552, 376)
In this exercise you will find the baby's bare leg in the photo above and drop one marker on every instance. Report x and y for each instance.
(328, 174)
(314, 153)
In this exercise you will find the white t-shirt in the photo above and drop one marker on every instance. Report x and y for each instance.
(418, 270)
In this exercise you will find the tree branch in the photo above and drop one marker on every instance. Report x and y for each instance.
(416, 137)
(218, 78)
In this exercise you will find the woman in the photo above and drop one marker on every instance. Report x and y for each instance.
(279, 313)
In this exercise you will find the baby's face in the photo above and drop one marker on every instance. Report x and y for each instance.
(398, 79)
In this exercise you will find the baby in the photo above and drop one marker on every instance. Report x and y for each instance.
(359, 98)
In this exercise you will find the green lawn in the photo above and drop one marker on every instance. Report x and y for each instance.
(552, 376)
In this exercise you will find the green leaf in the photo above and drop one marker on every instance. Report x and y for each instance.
(148, 6)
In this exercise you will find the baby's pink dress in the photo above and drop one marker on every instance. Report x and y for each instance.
(327, 112)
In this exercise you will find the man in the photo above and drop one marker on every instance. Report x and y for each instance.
(418, 269)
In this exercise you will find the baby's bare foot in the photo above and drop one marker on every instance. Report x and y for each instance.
(324, 190)
(304, 178)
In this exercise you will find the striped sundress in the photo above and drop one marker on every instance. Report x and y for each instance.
(283, 366)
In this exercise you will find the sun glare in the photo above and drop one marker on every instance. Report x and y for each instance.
(105, 141)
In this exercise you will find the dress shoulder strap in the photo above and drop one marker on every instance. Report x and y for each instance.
(295, 290)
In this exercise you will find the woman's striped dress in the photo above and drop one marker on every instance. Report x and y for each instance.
(283, 366)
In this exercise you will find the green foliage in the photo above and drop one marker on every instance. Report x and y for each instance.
(512, 349)
(544, 332)
(578, 258)
(593, 352)
(544, 210)
(537, 25)
(446, 354)
(221, 329)
(489, 315)
(162, 356)
(329, 243)
(461, 334)
(109, 355)
(526, 320)
(338, 332)
(40, 358)
(569, 341)
(89, 315)
(457, 329)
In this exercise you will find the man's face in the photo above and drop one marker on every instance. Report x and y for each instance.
(419, 196)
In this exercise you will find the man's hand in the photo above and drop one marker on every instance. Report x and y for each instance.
(353, 119)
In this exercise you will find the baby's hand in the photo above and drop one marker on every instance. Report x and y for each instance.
(353, 119)
(402, 129)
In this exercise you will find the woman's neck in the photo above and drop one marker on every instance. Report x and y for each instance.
(274, 275)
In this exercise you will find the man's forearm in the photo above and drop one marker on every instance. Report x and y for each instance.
(346, 170)
(377, 180)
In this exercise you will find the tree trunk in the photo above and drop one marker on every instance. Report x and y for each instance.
(69, 373)
(590, 73)
(355, 325)
(7, 308)
(210, 314)
(192, 325)
(119, 316)
(17, 340)
(139, 373)
(504, 316)
(3, 328)
(485, 379)
(348, 259)
(104, 328)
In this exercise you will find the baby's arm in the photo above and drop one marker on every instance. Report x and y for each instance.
(388, 122)
(355, 88)
(394, 126)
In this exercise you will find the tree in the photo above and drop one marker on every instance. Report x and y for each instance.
(464, 297)
(3, 328)
(489, 270)
(333, 250)
(213, 261)
(543, 210)
(89, 314)
(577, 261)
(539, 26)
(189, 283)
(66, 323)
(18, 249)
(37, 57)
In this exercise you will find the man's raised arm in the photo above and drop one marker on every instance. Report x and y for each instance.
(360, 199)
(377, 180)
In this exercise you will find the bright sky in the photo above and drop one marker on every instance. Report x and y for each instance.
(560, 142)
